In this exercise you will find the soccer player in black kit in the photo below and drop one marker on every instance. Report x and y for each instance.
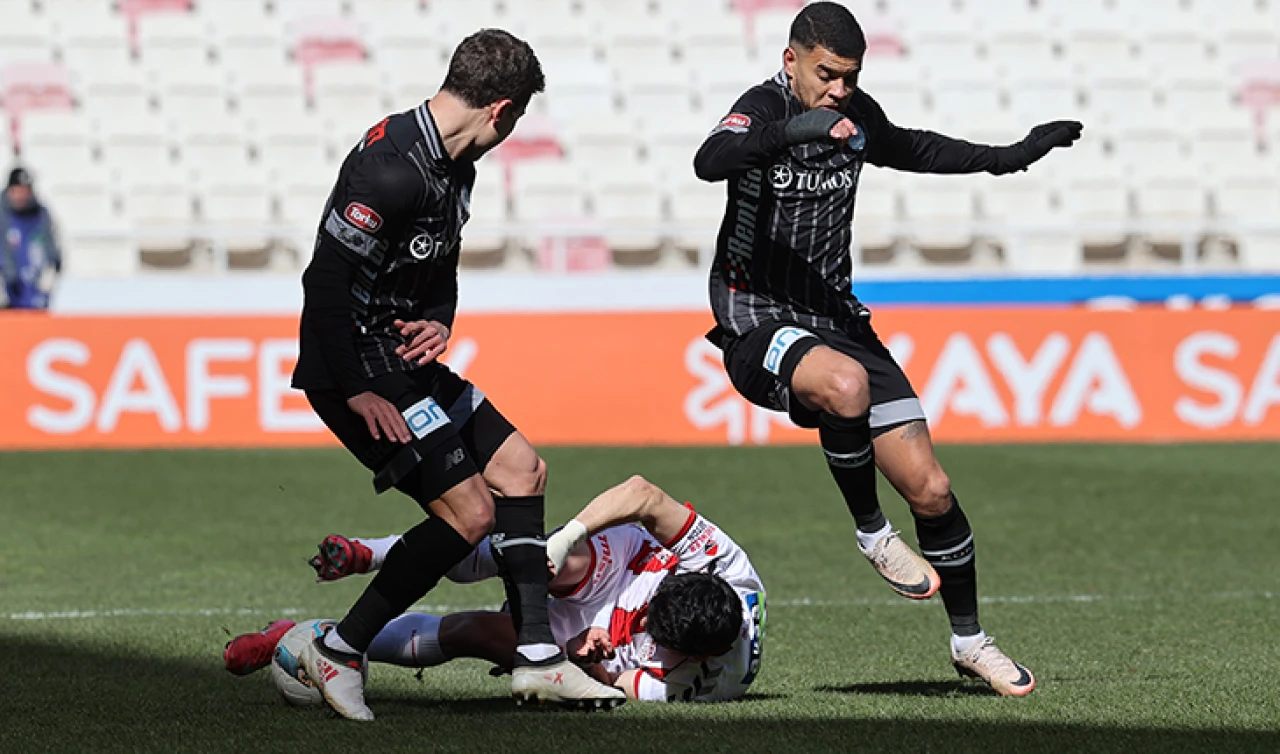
(795, 338)
(380, 297)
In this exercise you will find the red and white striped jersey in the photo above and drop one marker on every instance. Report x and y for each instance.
(628, 564)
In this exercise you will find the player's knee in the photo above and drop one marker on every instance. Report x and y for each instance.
(517, 471)
(932, 496)
(472, 511)
(846, 393)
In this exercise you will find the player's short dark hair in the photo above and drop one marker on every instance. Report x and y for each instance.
(695, 614)
(832, 26)
(493, 65)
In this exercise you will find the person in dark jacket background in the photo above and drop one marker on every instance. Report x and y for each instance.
(30, 259)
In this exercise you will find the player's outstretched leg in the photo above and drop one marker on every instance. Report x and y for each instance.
(837, 386)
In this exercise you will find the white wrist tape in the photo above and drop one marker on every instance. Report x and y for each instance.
(560, 544)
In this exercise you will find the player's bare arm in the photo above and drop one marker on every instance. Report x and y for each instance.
(636, 500)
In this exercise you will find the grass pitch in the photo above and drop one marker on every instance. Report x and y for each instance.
(1138, 583)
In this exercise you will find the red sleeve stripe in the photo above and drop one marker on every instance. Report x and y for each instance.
(591, 569)
(636, 690)
(688, 522)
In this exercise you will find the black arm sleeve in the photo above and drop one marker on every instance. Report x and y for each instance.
(922, 151)
(391, 190)
(746, 138)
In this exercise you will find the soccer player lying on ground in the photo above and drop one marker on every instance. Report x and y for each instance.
(795, 338)
(670, 612)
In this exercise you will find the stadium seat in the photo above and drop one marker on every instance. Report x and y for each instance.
(643, 43)
(1019, 40)
(24, 37)
(1227, 149)
(99, 244)
(1022, 218)
(940, 38)
(249, 44)
(215, 150)
(348, 94)
(272, 92)
(720, 83)
(876, 223)
(1150, 150)
(939, 215)
(696, 210)
(484, 240)
(1093, 39)
(1252, 205)
(574, 91)
(548, 200)
(1173, 207)
(710, 35)
(317, 40)
(190, 96)
(562, 39)
(1039, 95)
(291, 143)
(628, 205)
(1196, 100)
(408, 86)
(57, 142)
(238, 214)
(169, 40)
(34, 86)
(137, 145)
(965, 96)
(1119, 100)
(602, 141)
(672, 141)
(898, 85)
(301, 194)
(90, 11)
(293, 9)
(88, 41)
(1242, 38)
(1098, 208)
(654, 88)
(114, 89)
(1169, 35)
(162, 215)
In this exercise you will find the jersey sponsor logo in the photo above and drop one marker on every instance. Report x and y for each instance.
(423, 246)
(604, 562)
(425, 417)
(362, 217)
(782, 177)
(652, 559)
(782, 341)
(735, 122)
(740, 247)
(359, 241)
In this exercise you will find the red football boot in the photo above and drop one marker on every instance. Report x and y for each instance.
(248, 653)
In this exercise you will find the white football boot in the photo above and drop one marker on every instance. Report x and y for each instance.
(909, 574)
(565, 684)
(986, 662)
(339, 678)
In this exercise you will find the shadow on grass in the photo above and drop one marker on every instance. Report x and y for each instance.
(911, 688)
(66, 697)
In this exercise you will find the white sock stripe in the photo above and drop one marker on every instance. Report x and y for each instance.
(968, 541)
(519, 541)
(950, 563)
(849, 460)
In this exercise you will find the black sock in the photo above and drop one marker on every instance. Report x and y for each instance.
(851, 459)
(414, 565)
(946, 541)
(521, 549)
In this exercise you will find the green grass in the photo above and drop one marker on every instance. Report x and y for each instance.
(1139, 583)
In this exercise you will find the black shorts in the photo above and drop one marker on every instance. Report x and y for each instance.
(457, 431)
(762, 362)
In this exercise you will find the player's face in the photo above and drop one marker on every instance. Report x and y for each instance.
(820, 78)
(503, 116)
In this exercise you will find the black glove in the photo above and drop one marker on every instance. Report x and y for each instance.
(811, 126)
(1044, 137)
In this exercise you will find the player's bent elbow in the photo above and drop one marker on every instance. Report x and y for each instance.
(703, 168)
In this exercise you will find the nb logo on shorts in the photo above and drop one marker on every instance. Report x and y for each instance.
(425, 417)
(782, 341)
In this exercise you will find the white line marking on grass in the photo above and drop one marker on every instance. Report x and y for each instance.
(143, 612)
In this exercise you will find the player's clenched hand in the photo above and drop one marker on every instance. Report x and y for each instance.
(424, 341)
(590, 647)
(819, 123)
(382, 417)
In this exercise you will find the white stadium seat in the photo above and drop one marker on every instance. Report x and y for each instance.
(215, 149)
(639, 45)
(57, 142)
(546, 195)
(876, 222)
(939, 213)
(578, 90)
(91, 40)
(192, 95)
(603, 140)
(162, 214)
(290, 143)
(1174, 206)
(1022, 207)
(238, 212)
(25, 37)
(655, 89)
(348, 94)
(114, 88)
(167, 40)
(272, 92)
(696, 210)
(628, 204)
(672, 141)
(484, 240)
(137, 144)
(99, 243)
(1253, 204)
(1098, 208)
(249, 46)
